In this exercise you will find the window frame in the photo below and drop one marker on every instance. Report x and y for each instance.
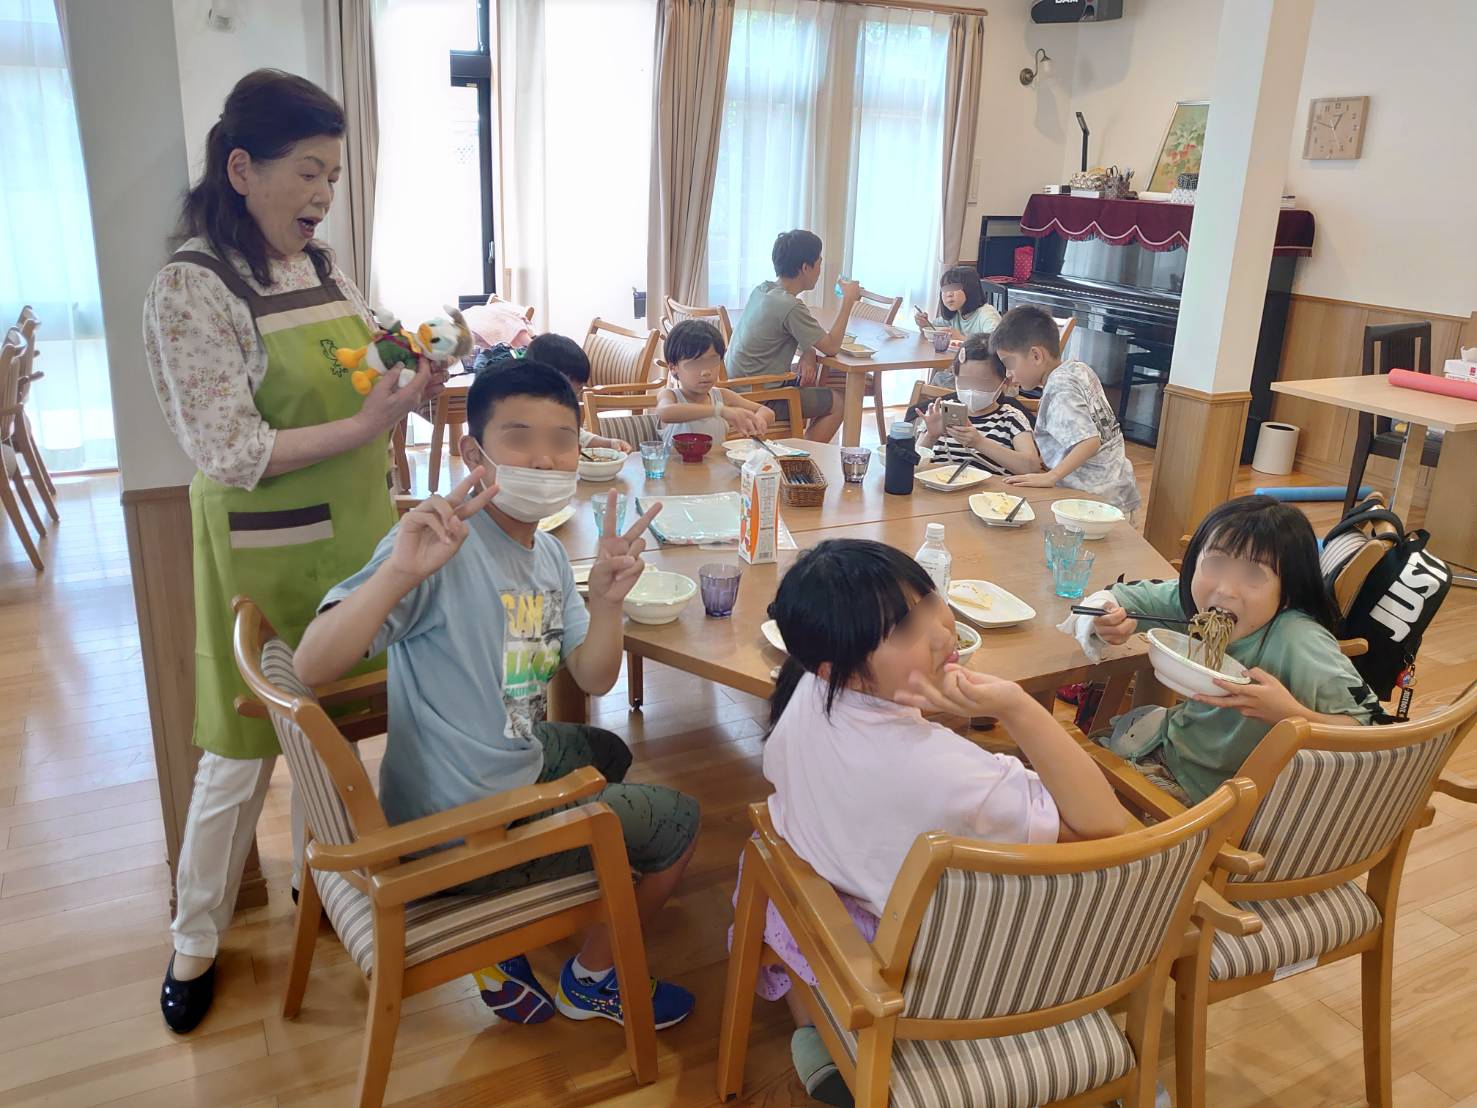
(473, 69)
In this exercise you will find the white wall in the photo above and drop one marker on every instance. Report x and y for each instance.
(1394, 226)
(277, 34)
(135, 177)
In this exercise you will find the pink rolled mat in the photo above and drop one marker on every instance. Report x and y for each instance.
(1425, 382)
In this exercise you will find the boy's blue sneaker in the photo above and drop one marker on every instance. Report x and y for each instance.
(513, 993)
(587, 1000)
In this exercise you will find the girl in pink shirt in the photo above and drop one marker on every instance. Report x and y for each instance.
(859, 773)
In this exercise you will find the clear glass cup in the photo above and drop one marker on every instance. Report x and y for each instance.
(719, 584)
(854, 462)
(654, 455)
(1061, 542)
(598, 507)
(1071, 575)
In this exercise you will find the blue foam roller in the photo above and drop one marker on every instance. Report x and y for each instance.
(1312, 492)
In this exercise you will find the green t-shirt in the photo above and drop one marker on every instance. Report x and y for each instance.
(1204, 745)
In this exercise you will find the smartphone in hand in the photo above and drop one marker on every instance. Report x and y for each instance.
(955, 414)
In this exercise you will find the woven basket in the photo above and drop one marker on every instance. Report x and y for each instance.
(802, 484)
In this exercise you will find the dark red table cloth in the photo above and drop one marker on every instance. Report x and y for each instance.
(1156, 224)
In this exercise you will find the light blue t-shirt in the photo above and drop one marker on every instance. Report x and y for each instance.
(471, 652)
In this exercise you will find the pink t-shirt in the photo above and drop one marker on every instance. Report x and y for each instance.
(854, 791)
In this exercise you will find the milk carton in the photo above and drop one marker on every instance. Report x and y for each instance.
(759, 508)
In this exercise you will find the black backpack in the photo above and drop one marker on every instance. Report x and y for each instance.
(1398, 599)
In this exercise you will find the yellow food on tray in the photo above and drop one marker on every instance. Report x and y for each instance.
(999, 503)
(973, 596)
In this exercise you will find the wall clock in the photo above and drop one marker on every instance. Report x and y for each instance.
(1336, 127)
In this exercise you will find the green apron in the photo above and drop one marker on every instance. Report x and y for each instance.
(285, 543)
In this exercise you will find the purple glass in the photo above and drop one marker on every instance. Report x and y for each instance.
(719, 583)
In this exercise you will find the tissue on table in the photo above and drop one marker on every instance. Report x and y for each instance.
(1465, 367)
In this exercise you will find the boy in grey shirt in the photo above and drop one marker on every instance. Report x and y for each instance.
(776, 322)
(478, 610)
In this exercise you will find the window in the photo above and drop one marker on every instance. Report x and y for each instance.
(471, 73)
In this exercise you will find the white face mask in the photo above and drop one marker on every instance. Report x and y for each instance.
(530, 495)
(977, 400)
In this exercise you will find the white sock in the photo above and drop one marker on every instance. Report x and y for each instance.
(584, 974)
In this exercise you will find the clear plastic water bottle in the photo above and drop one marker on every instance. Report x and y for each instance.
(935, 558)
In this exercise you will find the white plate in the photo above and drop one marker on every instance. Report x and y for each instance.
(993, 507)
(771, 631)
(938, 479)
(988, 605)
(969, 640)
(1092, 517)
(557, 520)
(738, 452)
(857, 350)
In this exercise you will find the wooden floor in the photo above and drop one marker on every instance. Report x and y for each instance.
(84, 906)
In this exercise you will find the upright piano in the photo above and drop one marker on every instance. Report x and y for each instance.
(1118, 267)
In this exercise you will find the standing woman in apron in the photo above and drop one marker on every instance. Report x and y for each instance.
(291, 495)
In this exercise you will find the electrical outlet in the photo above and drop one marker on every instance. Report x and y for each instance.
(974, 183)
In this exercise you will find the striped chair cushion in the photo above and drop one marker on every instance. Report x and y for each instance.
(1329, 809)
(1017, 1071)
(1294, 930)
(636, 428)
(442, 924)
(327, 817)
(866, 309)
(997, 944)
(615, 359)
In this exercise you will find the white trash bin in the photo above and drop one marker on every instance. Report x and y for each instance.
(1276, 446)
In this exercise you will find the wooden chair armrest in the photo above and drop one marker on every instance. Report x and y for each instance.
(638, 388)
(444, 870)
(1428, 817)
(1454, 786)
(33, 376)
(405, 501)
(1132, 785)
(1211, 907)
(390, 844)
(1243, 863)
(827, 923)
(1353, 648)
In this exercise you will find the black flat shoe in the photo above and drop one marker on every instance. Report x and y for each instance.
(184, 1003)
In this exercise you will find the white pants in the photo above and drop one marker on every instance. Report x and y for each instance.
(219, 830)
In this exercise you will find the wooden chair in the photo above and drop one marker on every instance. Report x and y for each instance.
(389, 914)
(1386, 347)
(1337, 803)
(676, 313)
(990, 977)
(13, 492)
(880, 309)
(640, 400)
(1066, 327)
(26, 444)
(923, 390)
(618, 355)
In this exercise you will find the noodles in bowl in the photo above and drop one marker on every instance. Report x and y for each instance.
(1210, 633)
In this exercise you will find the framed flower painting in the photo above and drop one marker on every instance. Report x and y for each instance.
(1183, 144)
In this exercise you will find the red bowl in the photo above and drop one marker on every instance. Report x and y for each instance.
(692, 445)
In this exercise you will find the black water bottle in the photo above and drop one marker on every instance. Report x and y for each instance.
(902, 458)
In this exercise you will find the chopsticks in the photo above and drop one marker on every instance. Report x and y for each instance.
(1019, 504)
(958, 471)
(766, 445)
(1083, 610)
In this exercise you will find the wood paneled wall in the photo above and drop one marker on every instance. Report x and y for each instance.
(160, 548)
(1325, 338)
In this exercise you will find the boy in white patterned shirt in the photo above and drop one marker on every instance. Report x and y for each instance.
(1077, 433)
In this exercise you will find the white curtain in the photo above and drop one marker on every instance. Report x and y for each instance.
(834, 122)
(522, 102)
(47, 257)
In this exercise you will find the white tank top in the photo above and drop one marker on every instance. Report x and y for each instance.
(714, 425)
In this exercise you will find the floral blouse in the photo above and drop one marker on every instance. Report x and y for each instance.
(207, 360)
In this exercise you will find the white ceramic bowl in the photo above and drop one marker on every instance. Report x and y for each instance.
(1092, 517)
(969, 640)
(1167, 654)
(658, 596)
(605, 465)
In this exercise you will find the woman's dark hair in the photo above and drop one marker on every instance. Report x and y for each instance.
(564, 354)
(836, 604)
(967, 279)
(692, 338)
(521, 378)
(793, 250)
(264, 115)
(1279, 536)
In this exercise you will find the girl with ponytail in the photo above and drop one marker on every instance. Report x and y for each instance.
(859, 773)
(240, 329)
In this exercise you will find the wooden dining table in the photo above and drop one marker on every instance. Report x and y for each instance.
(733, 652)
(910, 351)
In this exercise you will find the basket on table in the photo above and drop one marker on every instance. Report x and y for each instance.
(802, 484)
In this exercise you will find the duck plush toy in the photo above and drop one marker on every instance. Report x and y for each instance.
(443, 340)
